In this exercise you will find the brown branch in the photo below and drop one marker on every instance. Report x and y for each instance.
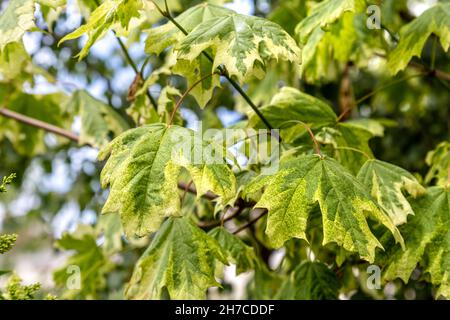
(346, 99)
(234, 212)
(263, 212)
(191, 189)
(39, 124)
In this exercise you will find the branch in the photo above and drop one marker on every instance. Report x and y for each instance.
(191, 189)
(177, 106)
(235, 211)
(263, 212)
(136, 70)
(39, 124)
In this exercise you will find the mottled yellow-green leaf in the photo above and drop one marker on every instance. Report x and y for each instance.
(102, 19)
(143, 172)
(413, 36)
(168, 35)
(387, 183)
(88, 259)
(301, 183)
(439, 162)
(162, 37)
(15, 20)
(292, 108)
(181, 261)
(195, 70)
(111, 227)
(427, 240)
(323, 14)
(344, 136)
(237, 252)
(16, 66)
(310, 281)
(98, 120)
(242, 44)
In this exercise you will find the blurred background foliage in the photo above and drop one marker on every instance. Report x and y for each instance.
(57, 186)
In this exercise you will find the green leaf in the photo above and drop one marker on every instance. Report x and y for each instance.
(112, 231)
(427, 240)
(323, 14)
(237, 252)
(168, 35)
(166, 105)
(7, 242)
(386, 182)
(413, 36)
(88, 257)
(439, 162)
(165, 36)
(289, 106)
(143, 172)
(351, 144)
(310, 281)
(242, 44)
(16, 66)
(102, 19)
(97, 119)
(292, 194)
(180, 260)
(195, 70)
(17, 18)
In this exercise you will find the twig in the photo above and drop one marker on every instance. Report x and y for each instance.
(375, 91)
(191, 189)
(235, 211)
(355, 150)
(39, 124)
(251, 222)
(311, 135)
(177, 106)
(185, 191)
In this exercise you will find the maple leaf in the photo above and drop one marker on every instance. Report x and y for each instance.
(181, 260)
(237, 252)
(414, 35)
(427, 241)
(386, 182)
(241, 44)
(102, 19)
(310, 281)
(439, 162)
(88, 257)
(323, 14)
(290, 109)
(17, 18)
(292, 194)
(143, 172)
